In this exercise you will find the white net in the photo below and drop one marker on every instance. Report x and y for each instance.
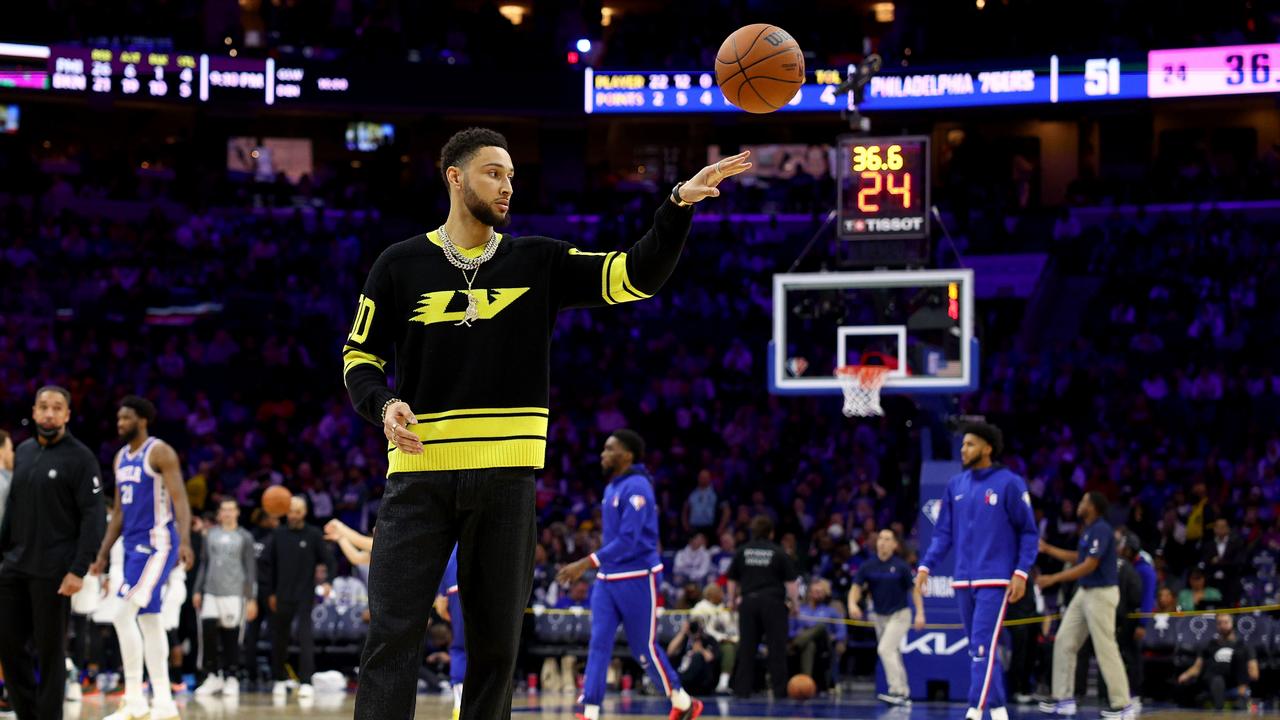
(861, 385)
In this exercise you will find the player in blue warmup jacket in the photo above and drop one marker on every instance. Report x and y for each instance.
(986, 514)
(449, 607)
(627, 570)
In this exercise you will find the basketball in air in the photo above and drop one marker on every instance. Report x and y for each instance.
(759, 68)
(276, 500)
(801, 687)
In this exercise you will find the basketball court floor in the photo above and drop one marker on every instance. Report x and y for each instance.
(560, 707)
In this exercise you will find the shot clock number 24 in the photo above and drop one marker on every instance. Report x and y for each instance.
(884, 187)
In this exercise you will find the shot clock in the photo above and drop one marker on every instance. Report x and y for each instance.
(884, 188)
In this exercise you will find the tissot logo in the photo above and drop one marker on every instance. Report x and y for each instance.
(435, 307)
(934, 643)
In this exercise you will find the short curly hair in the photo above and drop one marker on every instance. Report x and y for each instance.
(466, 143)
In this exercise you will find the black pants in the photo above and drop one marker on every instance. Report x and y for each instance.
(32, 610)
(219, 648)
(252, 633)
(280, 632)
(490, 515)
(768, 615)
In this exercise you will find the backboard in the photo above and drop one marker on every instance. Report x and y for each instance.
(917, 322)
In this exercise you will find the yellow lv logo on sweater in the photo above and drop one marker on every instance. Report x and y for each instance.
(434, 306)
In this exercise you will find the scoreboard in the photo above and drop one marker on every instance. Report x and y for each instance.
(1227, 70)
(632, 91)
(187, 77)
(884, 188)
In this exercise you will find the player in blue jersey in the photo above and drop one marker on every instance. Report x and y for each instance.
(154, 519)
(449, 607)
(986, 514)
(627, 570)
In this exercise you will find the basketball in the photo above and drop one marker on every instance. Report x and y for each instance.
(801, 687)
(276, 500)
(759, 68)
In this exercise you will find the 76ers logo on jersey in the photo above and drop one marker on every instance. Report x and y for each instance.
(991, 498)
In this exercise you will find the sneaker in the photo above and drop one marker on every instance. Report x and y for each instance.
(211, 686)
(892, 699)
(1061, 708)
(165, 712)
(279, 688)
(231, 686)
(1119, 713)
(695, 709)
(124, 713)
(73, 691)
(306, 692)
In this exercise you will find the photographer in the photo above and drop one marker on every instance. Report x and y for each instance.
(696, 656)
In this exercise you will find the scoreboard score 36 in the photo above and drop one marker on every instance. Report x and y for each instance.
(883, 188)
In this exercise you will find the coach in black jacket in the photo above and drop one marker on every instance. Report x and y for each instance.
(289, 579)
(53, 524)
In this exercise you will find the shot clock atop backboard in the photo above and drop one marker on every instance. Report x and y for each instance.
(884, 188)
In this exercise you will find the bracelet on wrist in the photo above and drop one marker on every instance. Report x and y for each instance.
(388, 404)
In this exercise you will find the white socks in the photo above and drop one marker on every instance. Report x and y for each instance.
(591, 712)
(724, 682)
(999, 713)
(680, 700)
(155, 643)
(130, 639)
(973, 714)
(457, 695)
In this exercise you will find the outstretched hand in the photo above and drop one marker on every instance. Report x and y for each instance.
(705, 183)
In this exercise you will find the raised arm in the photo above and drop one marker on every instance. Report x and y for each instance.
(585, 279)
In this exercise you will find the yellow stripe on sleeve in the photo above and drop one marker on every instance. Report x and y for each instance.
(618, 286)
(352, 357)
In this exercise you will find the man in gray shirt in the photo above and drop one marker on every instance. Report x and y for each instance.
(225, 595)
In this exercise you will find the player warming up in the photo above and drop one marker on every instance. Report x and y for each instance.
(469, 314)
(626, 590)
(986, 514)
(155, 520)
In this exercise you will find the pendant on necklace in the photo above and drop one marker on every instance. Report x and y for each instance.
(472, 313)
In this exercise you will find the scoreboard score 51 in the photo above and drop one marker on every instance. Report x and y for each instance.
(884, 188)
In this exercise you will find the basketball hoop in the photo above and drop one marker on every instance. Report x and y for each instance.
(861, 385)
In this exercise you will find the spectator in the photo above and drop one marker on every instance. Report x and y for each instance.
(693, 562)
(700, 510)
(722, 556)
(721, 624)
(1166, 601)
(579, 596)
(1198, 595)
(818, 627)
(1224, 669)
(1221, 557)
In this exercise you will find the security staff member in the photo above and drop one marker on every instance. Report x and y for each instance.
(763, 583)
(53, 524)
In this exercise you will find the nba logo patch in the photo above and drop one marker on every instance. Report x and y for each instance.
(992, 498)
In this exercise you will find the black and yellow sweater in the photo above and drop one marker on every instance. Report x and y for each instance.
(480, 392)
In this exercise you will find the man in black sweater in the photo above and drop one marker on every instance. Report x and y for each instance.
(53, 524)
(289, 578)
(764, 586)
(467, 314)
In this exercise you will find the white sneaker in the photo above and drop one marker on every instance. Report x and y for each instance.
(124, 713)
(165, 712)
(231, 686)
(306, 692)
(1062, 708)
(279, 688)
(211, 686)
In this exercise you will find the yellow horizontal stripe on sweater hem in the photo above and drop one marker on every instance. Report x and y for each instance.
(483, 411)
(471, 455)
(483, 427)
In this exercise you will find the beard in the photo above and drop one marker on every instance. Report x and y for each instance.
(48, 433)
(483, 211)
(129, 435)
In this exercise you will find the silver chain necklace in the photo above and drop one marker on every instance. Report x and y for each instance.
(454, 255)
